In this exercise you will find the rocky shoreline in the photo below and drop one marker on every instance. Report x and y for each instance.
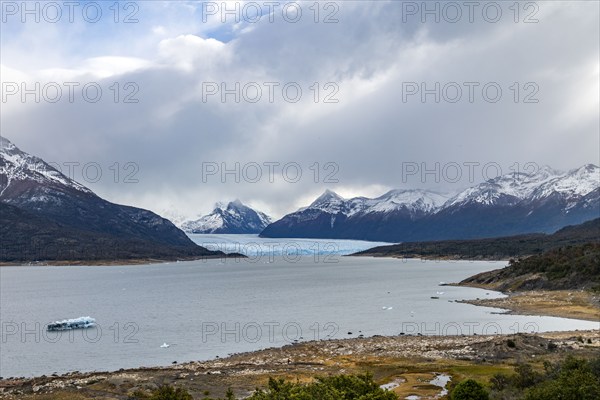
(406, 361)
(576, 304)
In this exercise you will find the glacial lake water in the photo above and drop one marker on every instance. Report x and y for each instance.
(205, 309)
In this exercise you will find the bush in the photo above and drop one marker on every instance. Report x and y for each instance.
(469, 390)
(572, 379)
(576, 384)
(525, 376)
(341, 387)
(170, 393)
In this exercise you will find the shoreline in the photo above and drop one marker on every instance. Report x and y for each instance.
(453, 257)
(112, 263)
(405, 360)
(573, 304)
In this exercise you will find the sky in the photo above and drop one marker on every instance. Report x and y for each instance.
(173, 106)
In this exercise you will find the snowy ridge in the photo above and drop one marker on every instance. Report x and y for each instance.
(516, 187)
(413, 201)
(18, 166)
(575, 183)
(516, 203)
(234, 217)
(506, 190)
(208, 223)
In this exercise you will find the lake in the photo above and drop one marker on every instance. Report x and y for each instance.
(205, 309)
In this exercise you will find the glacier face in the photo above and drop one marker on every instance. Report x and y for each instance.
(264, 249)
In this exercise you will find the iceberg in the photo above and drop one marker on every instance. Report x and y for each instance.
(76, 323)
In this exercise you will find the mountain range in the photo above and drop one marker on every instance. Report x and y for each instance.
(48, 216)
(511, 204)
(232, 218)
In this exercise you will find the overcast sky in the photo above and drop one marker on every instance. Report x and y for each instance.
(369, 131)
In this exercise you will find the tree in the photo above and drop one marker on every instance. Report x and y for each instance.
(469, 390)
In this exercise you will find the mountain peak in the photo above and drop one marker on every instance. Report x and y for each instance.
(328, 195)
(236, 203)
(23, 174)
(586, 169)
(6, 144)
(233, 218)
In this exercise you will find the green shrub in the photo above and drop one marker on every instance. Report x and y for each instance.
(469, 390)
(341, 387)
(167, 392)
(572, 379)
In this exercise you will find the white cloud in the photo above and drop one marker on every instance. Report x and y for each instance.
(369, 54)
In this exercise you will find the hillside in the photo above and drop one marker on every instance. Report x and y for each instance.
(494, 248)
(47, 216)
(565, 268)
(27, 237)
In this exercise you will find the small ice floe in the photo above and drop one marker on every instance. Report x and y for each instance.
(440, 292)
(68, 324)
(165, 345)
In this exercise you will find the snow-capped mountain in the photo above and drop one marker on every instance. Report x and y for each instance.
(413, 201)
(504, 190)
(574, 184)
(331, 216)
(515, 203)
(232, 218)
(19, 170)
(46, 215)
(517, 187)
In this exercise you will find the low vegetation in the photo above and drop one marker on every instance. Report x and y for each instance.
(340, 387)
(565, 268)
(572, 378)
(501, 248)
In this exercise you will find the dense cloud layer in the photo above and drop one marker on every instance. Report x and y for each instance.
(178, 137)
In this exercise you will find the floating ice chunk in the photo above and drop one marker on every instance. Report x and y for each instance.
(75, 323)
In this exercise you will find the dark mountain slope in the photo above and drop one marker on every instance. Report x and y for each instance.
(493, 248)
(44, 210)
